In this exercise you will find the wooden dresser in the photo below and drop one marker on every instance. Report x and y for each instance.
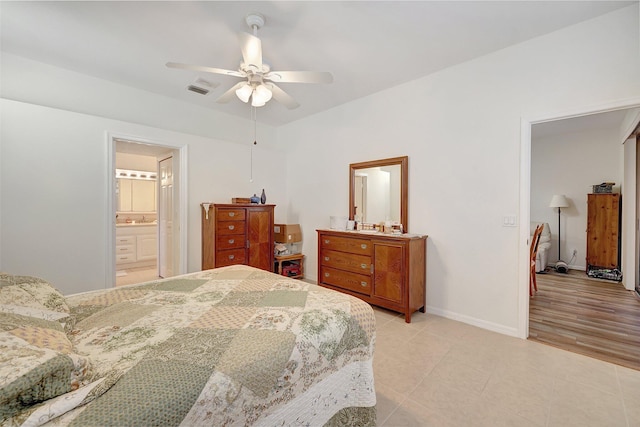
(237, 234)
(603, 231)
(386, 270)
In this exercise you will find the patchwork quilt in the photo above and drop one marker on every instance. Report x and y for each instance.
(233, 346)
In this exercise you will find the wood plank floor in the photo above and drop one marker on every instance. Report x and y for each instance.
(597, 318)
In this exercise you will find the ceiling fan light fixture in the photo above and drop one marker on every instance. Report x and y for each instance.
(257, 103)
(261, 95)
(244, 92)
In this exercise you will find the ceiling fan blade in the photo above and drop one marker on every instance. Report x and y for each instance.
(299, 76)
(205, 69)
(282, 97)
(251, 50)
(230, 94)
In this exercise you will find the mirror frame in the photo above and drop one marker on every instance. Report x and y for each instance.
(404, 184)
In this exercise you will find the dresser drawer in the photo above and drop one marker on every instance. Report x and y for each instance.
(346, 244)
(230, 257)
(229, 227)
(125, 249)
(124, 258)
(231, 214)
(346, 261)
(346, 280)
(229, 241)
(125, 240)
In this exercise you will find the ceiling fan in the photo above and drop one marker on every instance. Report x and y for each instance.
(259, 80)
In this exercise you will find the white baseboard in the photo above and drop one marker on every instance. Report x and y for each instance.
(494, 327)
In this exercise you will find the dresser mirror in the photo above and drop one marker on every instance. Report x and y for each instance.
(378, 191)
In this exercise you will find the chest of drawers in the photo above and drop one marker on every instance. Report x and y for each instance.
(237, 234)
(383, 269)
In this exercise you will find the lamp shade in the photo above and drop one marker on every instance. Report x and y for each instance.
(261, 95)
(244, 92)
(559, 201)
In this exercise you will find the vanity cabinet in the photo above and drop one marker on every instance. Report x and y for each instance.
(136, 245)
(237, 234)
(385, 270)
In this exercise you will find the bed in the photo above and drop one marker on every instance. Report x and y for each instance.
(233, 346)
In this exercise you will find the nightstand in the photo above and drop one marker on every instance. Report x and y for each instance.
(289, 265)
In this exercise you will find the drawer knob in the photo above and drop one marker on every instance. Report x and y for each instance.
(232, 214)
(231, 241)
(231, 227)
(363, 246)
(326, 274)
(363, 266)
(363, 284)
(123, 249)
(232, 256)
(326, 241)
(326, 258)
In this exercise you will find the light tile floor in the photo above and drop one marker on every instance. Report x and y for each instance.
(439, 372)
(136, 275)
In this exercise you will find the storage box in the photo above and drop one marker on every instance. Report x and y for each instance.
(241, 200)
(287, 233)
(605, 187)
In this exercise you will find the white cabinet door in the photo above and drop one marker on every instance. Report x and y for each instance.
(146, 247)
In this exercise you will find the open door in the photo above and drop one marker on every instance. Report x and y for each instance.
(165, 218)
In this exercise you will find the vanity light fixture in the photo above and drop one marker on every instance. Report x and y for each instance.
(134, 174)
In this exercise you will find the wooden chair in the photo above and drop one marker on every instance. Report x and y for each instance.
(533, 252)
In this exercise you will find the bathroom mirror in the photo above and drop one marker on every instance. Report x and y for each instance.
(378, 191)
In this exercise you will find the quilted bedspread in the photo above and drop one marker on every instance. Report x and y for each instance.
(233, 346)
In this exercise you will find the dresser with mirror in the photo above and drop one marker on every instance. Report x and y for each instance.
(386, 269)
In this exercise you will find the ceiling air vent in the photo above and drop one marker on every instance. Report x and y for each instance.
(198, 89)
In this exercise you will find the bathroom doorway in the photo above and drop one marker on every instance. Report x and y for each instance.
(144, 194)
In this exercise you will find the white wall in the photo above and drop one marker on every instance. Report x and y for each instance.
(571, 164)
(461, 130)
(54, 189)
(136, 162)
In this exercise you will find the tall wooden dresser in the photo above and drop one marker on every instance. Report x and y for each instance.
(237, 234)
(603, 230)
(386, 270)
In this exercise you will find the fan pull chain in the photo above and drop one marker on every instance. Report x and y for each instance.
(255, 140)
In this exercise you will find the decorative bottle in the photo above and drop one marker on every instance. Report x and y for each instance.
(263, 197)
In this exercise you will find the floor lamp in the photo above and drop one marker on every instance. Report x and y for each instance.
(559, 201)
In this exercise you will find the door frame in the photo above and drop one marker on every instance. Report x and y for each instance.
(525, 194)
(110, 219)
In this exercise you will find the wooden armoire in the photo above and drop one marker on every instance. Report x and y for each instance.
(237, 234)
(603, 230)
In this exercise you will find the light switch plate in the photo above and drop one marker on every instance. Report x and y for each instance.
(510, 221)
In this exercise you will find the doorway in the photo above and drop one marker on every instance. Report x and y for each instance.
(146, 244)
(525, 197)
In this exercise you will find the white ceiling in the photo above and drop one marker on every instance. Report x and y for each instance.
(610, 120)
(368, 46)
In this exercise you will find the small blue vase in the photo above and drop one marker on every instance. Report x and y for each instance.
(255, 199)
